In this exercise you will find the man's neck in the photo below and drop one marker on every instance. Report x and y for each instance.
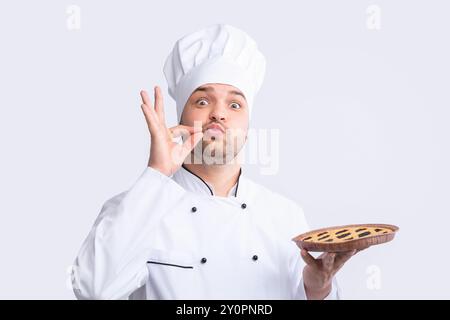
(221, 177)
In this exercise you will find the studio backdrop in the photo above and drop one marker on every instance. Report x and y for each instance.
(351, 122)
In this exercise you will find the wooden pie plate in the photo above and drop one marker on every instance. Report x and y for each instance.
(346, 238)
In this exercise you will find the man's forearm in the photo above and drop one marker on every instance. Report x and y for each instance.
(317, 294)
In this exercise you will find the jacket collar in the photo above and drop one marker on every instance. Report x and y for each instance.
(192, 182)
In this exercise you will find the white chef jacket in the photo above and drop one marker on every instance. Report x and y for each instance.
(172, 238)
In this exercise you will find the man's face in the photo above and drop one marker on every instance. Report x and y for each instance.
(224, 106)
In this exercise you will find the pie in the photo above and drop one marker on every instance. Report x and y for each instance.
(346, 238)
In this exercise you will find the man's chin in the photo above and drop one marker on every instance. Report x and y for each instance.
(213, 139)
(213, 145)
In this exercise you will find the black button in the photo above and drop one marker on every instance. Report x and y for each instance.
(203, 260)
(255, 257)
(243, 206)
(194, 209)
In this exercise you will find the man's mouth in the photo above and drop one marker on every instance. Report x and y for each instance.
(214, 130)
(215, 127)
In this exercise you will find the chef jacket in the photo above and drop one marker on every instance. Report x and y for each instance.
(172, 238)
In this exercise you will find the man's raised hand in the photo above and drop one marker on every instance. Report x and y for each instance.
(166, 155)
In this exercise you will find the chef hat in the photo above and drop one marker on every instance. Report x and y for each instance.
(218, 53)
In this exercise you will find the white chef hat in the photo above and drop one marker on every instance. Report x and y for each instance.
(219, 53)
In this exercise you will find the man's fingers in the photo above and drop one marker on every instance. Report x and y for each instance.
(328, 260)
(309, 259)
(361, 249)
(190, 143)
(344, 257)
(146, 99)
(150, 117)
(159, 105)
(182, 130)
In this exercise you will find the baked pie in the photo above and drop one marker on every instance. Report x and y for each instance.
(346, 238)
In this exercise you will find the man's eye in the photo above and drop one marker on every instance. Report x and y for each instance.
(235, 105)
(202, 102)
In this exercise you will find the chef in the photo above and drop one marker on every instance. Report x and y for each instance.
(193, 225)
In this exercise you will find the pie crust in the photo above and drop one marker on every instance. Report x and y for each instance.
(346, 238)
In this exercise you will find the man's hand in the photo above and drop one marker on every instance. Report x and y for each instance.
(166, 155)
(318, 273)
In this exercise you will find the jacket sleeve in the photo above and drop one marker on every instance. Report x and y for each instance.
(111, 263)
(302, 226)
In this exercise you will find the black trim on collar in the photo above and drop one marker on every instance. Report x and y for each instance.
(198, 177)
(237, 185)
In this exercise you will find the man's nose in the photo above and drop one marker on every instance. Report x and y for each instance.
(218, 113)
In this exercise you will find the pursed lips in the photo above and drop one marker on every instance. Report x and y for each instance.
(215, 127)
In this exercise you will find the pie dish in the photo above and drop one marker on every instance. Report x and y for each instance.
(346, 238)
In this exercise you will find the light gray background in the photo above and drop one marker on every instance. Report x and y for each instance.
(363, 117)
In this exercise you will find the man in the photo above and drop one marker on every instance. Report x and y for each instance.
(193, 226)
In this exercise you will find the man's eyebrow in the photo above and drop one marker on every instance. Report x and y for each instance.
(208, 88)
(237, 93)
(205, 89)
